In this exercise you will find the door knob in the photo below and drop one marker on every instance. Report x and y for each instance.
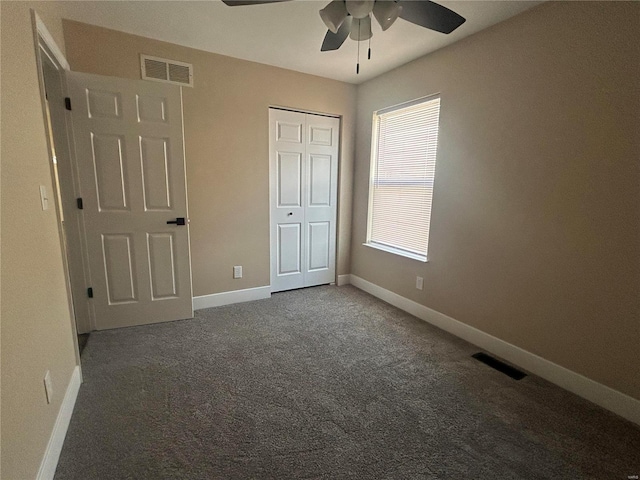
(289, 214)
(177, 221)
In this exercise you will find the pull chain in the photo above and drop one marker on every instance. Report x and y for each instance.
(358, 62)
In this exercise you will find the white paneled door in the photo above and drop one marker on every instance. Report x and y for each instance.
(303, 156)
(130, 160)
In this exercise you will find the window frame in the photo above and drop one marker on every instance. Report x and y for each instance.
(372, 171)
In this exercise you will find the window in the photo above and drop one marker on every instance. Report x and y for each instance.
(403, 164)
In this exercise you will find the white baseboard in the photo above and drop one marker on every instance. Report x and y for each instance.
(344, 280)
(56, 440)
(234, 296)
(613, 400)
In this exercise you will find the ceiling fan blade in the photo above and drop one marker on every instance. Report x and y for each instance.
(237, 3)
(430, 15)
(333, 41)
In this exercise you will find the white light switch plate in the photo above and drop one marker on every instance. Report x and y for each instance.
(48, 386)
(44, 198)
(419, 283)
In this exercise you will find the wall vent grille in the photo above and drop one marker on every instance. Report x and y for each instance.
(167, 71)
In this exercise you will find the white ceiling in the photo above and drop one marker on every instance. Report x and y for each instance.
(287, 34)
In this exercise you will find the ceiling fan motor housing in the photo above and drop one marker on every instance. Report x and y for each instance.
(361, 29)
(359, 8)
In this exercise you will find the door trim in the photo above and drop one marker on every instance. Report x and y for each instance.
(43, 41)
(66, 187)
(40, 28)
(309, 112)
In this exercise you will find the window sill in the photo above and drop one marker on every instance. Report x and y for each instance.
(397, 251)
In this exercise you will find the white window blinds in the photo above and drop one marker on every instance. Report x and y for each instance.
(405, 141)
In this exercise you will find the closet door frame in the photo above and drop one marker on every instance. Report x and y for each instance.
(303, 179)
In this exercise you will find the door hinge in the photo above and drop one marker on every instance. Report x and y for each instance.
(67, 103)
(90, 292)
(79, 202)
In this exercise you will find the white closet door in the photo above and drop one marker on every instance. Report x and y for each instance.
(129, 148)
(287, 154)
(304, 177)
(321, 185)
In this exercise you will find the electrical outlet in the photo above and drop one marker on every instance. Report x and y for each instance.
(237, 271)
(48, 386)
(419, 283)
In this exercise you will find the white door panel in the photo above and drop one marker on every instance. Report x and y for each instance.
(320, 180)
(321, 199)
(304, 173)
(156, 178)
(289, 260)
(130, 154)
(289, 179)
(108, 162)
(287, 152)
(319, 135)
(289, 129)
(319, 233)
(162, 265)
(119, 270)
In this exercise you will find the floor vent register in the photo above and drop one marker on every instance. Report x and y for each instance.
(500, 366)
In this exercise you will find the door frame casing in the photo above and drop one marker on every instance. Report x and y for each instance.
(73, 227)
(67, 184)
(338, 183)
(45, 44)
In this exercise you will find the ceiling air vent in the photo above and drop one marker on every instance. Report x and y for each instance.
(167, 71)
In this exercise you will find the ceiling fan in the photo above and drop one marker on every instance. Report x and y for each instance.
(352, 18)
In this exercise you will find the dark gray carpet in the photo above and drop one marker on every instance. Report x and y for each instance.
(324, 383)
(82, 341)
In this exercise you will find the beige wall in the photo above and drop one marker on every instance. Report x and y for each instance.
(226, 142)
(535, 227)
(36, 321)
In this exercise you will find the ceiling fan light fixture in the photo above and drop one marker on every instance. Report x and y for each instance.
(334, 14)
(359, 8)
(386, 12)
(361, 29)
